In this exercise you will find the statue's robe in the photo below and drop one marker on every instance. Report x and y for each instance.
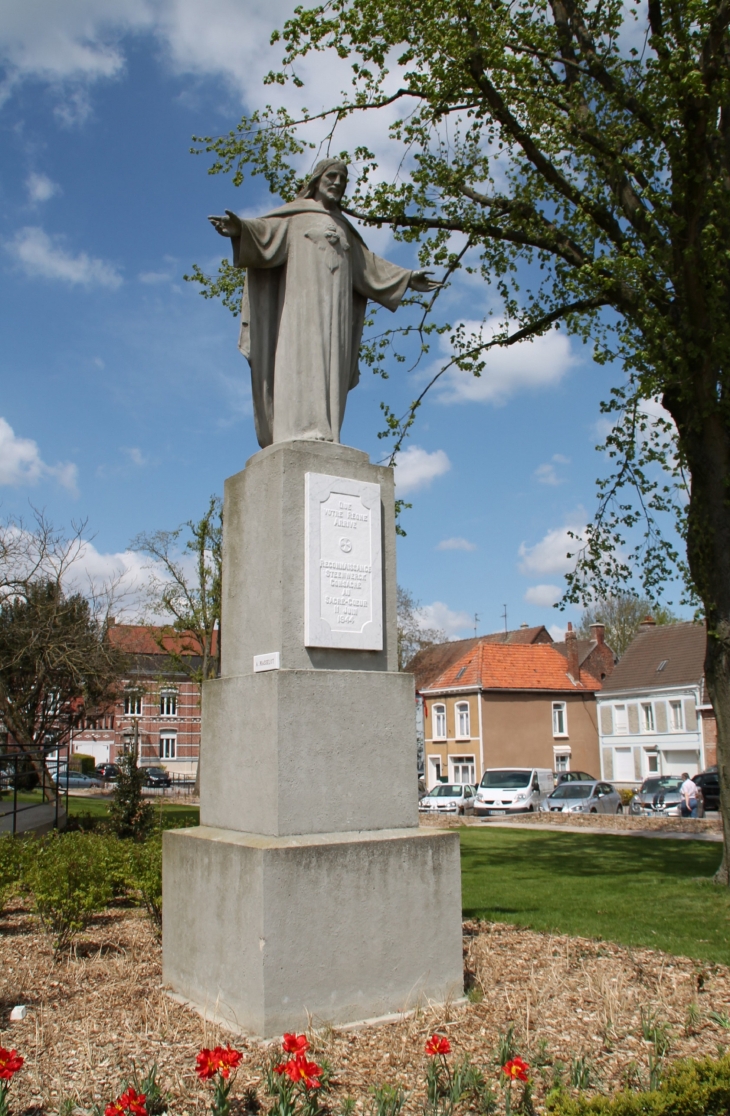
(309, 276)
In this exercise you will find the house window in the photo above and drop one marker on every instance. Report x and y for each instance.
(647, 717)
(439, 722)
(562, 761)
(132, 705)
(462, 768)
(652, 763)
(560, 719)
(167, 747)
(620, 720)
(676, 718)
(168, 704)
(462, 719)
(434, 771)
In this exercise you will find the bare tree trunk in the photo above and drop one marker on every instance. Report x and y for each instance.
(717, 677)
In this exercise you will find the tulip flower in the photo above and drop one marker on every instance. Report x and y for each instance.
(437, 1044)
(516, 1069)
(295, 1044)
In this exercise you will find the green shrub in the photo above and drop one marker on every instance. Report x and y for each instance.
(689, 1088)
(146, 872)
(129, 815)
(80, 762)
(626, 794)
(68, 884)
(11, 867)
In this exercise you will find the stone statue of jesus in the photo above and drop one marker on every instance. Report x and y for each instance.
(308, 278)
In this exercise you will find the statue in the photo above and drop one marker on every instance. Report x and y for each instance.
(309, 276)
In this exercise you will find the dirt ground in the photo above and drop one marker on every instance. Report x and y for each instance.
(101, 1009)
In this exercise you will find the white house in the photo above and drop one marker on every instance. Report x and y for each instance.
(653, 717)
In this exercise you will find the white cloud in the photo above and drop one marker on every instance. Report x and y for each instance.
(549, 555)
(456, 544)
(557, 633)
(527, 366)
(42, 257)
(40, 187)
(547, 473)
(439, 615)
(21, 462)
(416, 468)
(136, 456)
(543, 595)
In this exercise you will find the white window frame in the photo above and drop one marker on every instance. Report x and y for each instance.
(434, 779)
(168, 703)
(652, 756)
(648, 723)
(463, 761)
(168, 745)
(463, 714)
(561, 759)
(676, 716)
(438, 712)
(132, 705)
(620, 720)
(560, 719)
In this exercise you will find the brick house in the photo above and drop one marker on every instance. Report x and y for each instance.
(654, 713)
(513, 698)
(158, 702)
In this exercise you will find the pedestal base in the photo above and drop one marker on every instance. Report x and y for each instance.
(265, 932)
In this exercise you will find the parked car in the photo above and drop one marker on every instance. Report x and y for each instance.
(659, 796)
(107, 771)
(589, 797)
(709, 784)
(157, 777)
(449, 798)
(574, 777)
(512, 790)
(74, 780)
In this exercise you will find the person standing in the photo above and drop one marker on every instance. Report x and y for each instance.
(690, 799)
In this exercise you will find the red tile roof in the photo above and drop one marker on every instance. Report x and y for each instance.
(432, 661)
(142, 639)
(493, 666)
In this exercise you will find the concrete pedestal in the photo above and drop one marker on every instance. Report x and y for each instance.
(308, 887)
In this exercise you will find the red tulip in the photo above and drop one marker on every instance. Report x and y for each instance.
(130, 1103)
(437, 1044)
(10, 1063)
(220, 1060)
(295, 1044)
(301, 1071)
(516, 1069)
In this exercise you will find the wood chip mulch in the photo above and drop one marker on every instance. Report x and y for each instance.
(619, 822)
(101, 1009)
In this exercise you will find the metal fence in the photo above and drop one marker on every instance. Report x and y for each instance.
(35, 770)
(180, 785)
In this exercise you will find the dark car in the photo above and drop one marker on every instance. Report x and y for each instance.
(157, 777)
(709, 784)
(574, 777)
(107, 771)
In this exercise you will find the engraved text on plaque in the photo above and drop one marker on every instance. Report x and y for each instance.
(343, 594)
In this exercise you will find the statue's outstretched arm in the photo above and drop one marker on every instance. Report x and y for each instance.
(420, 282)
(230, 225)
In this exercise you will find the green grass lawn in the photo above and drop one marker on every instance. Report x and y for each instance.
(99, 808)
(630, 890)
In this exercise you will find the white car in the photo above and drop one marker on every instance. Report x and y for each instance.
(512, 790)
(449, 798)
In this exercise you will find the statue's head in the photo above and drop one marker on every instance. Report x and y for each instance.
(327, 182)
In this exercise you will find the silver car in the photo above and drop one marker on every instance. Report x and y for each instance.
(589, 797)
(659, 797)
(449, 798)
(76, 781)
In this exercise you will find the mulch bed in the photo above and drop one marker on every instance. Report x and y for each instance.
(100, 1009)
(621, 822)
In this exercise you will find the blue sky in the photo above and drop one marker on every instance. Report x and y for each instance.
(125, 401)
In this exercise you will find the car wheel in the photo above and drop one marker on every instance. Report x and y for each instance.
(531, 810)
(461, 811)
(594, 810)
(619, 809)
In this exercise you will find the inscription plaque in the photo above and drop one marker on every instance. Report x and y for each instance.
(343, 591)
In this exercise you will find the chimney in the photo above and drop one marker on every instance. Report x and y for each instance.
(571, 647)
(598, 633)
(524, 625)
(647, 624)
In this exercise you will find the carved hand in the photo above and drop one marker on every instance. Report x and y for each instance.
(230, 225)
(420, 282)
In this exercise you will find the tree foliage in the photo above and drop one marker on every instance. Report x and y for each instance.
(413, 636)
(130, 816)
(621, 614)
(576, 156)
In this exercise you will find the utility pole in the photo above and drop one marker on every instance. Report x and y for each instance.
(504, 616)
(476, 621)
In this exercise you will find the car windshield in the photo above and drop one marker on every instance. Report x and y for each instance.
(507, 780)
(664, 782)
(156, 770)
(572, 790)
(447, 790)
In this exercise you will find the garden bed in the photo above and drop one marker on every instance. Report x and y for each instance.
(620, 822)
(100, 1009)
